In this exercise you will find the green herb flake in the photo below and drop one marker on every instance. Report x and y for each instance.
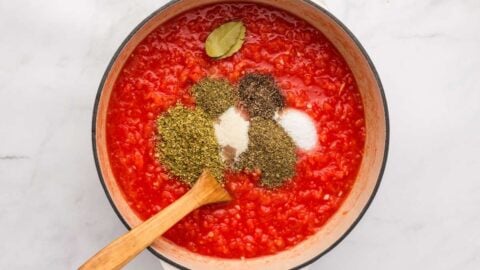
(214, 96)
(187, 145)
(270, 150)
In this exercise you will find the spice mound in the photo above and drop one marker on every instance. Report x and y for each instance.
(214, 96)
(260, 95)
(231, 130)
(300, 127)
(271, 150)
(187, 145)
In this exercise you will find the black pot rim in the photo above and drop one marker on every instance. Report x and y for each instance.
(385, 154)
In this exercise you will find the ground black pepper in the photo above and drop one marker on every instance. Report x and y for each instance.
(260, 95)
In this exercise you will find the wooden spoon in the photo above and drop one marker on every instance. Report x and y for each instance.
(114, 256)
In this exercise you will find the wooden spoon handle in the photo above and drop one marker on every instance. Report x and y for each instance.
(125, 248)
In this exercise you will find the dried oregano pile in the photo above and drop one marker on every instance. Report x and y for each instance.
(187, 142)
(271, 150)
(214, 96)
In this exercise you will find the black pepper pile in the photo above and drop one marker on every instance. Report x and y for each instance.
(260, 95)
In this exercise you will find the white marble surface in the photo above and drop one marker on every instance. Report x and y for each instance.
(53, 213)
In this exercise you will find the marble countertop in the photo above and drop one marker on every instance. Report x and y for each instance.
(54, 214)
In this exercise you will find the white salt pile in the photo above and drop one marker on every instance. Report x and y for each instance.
(299, 126)
(232, 133)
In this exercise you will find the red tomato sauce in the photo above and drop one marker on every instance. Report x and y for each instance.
(313, 77)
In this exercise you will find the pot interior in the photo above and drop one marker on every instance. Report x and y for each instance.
(368, 176)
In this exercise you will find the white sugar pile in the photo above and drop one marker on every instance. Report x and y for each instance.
(232, 133)
(300, 127)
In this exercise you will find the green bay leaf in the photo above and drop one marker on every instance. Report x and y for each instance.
(238, 45)
(223, 38)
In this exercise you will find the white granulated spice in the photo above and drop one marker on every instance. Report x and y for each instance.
(232, 132)
(299, 126)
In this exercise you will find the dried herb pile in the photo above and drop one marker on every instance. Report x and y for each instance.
(260, 95)
(271, 150)
(187, 144)
(214, 96)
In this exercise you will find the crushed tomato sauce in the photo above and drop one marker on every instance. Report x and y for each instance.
(313, 77)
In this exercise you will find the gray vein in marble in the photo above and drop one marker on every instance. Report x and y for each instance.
(420, 36)
(13, 157)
